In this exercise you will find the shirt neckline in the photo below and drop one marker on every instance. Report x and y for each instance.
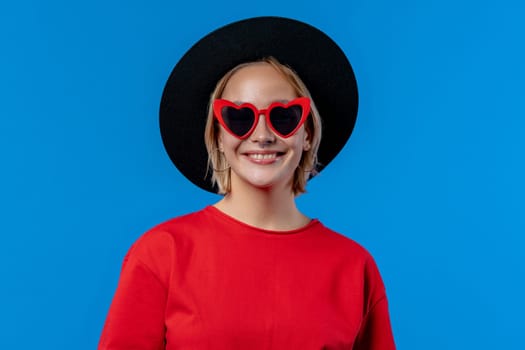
(298, 232)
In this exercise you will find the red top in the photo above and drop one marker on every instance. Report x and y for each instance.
(208, 281)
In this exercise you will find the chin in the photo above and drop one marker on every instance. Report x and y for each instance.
(268, 183)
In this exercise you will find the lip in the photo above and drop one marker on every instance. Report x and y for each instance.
(263, 157)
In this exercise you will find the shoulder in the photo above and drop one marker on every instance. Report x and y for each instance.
(353, 258)
(158, 247)
(344, 245)
(170, 231)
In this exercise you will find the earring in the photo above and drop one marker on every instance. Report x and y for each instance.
(223, 161)
(221, 170)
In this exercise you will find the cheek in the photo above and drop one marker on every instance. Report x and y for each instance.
(227, 142)
(302, 140)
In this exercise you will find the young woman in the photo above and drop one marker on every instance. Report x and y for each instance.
(251, 271)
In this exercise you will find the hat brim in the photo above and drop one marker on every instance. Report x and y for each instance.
(317, 59)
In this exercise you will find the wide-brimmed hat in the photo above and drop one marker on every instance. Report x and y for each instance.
(315, 57)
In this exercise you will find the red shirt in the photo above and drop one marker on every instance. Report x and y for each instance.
(208, 281)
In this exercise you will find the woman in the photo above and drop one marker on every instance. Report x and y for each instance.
(251, 271)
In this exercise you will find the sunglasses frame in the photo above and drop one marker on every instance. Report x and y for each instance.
(219, 104)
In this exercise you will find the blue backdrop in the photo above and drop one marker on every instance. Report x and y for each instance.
(431, 181)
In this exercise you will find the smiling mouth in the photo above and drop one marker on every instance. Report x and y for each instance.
(264, 156)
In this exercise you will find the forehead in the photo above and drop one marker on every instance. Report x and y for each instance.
(258, 82)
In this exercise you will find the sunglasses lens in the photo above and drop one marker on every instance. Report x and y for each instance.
(286, 119)
(239, 121)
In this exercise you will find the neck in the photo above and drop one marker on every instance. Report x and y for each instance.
(266, 208)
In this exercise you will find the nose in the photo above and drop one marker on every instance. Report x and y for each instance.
(262, 133)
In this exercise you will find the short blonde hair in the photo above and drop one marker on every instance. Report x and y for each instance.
(221, 172)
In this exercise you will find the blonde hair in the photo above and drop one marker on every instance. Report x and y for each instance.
(217, 163)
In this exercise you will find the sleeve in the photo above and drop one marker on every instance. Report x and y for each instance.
(136, 316)
(375, 332)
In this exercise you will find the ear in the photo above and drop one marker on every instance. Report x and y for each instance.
(307, 140)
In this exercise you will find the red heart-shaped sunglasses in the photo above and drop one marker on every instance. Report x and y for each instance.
(284, 119)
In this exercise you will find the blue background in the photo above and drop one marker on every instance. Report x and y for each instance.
(431, 181)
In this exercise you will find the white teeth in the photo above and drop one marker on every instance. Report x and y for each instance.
(262, 156)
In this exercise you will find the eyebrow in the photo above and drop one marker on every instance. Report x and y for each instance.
(238, 103)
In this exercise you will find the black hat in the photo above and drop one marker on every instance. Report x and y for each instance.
(316, 58)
